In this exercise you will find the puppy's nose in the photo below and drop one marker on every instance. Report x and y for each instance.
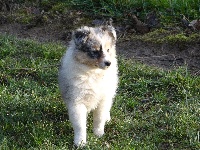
(107, 63)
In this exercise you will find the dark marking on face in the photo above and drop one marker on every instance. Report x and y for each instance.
(80, 37)
(95, 54)
(81, 34)
(94, 51)
(84, 47)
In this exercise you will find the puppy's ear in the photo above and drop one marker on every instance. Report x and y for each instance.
(80, 36)
(109, 22)
(110, 30)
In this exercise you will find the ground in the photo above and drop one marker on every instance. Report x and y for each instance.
(132, 45)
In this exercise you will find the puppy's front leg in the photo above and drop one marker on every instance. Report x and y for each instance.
(77, 116)
(100, 115)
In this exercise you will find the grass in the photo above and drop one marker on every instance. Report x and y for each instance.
(154, 109)
(169, 11)
(161, 36)
(117, 7)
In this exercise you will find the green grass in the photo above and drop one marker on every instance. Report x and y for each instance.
(161, 36)
(154, 109)
(169, 11)
(117, 7)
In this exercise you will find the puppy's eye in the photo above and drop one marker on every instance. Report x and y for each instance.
(95, 54)
(108, 50)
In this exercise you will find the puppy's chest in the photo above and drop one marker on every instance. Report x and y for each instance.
(90, 88)
(92, 83)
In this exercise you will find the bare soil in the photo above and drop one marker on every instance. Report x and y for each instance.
(166, 56)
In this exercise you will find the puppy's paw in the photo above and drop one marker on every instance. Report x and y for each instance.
(98, 132)
(79, 142)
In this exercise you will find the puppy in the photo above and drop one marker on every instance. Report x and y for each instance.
(88, 78)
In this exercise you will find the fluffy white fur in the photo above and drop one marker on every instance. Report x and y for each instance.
(89, 84)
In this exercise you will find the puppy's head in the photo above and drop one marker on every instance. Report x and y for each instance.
(95, 47)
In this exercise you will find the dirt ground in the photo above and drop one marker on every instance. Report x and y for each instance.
(167, 56)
